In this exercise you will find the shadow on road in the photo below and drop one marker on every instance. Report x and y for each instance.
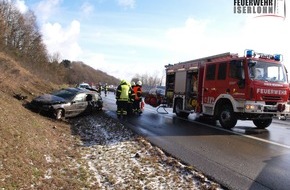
(275, 174)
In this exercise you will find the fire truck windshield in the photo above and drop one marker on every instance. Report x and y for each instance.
(265, 71)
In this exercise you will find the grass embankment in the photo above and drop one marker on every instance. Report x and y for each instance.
(33, 147)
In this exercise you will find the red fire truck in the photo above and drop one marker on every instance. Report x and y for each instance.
(227, 88)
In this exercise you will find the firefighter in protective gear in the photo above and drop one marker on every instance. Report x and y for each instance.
(137, 98)
(123, 95)
(131, 99)
(133, 84)
(100, 88)
(106, 89)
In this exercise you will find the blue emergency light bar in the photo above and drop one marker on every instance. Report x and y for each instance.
(252, 53)
(277, 57)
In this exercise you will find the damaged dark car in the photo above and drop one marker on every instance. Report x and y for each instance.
(69, 102)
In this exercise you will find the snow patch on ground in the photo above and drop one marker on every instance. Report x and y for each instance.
(119, 159)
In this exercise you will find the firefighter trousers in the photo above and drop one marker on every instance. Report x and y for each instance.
(122, 107)
(137, 106)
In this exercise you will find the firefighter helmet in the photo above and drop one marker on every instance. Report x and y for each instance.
(139, 83)
(133, 83)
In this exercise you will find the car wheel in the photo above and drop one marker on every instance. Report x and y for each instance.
(59, 114)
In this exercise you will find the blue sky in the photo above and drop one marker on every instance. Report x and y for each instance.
(128, 37)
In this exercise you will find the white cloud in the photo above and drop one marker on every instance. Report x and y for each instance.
(87, 8)
(177, 43)
(46, 8)
(188, 37)
(95, 60)
(199, 38)
(62, 40)
(20, 4)
(59, 39)
(193, 40)
(127, 3)
(267, 35)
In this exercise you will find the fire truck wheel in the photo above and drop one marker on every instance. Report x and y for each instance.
(178, 108)
(227, 117)
(262, 123)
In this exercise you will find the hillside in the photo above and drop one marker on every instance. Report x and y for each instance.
(80, 72)
(25, 137)
(36, 152)
(90, 152)
(14, 79)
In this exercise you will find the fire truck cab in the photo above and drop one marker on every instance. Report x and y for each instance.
(227, 88)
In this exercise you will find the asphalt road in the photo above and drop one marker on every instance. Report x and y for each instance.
(241, 158)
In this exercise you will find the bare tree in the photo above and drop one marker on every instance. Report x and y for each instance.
(6, 20)
(55, 58)
(148, 80)
(20, 34)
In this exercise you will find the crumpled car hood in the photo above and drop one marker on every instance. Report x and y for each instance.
(50, 99)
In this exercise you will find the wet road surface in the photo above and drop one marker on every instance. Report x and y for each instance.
(241, 158)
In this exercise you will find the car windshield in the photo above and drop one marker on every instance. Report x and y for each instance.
(264, 71)
(157, 91)
(65, 94)
(84, 86)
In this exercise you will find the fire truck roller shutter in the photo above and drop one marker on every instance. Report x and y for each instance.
(180, 85)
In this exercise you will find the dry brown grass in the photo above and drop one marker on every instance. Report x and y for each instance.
(31, 146)
(28, 143)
